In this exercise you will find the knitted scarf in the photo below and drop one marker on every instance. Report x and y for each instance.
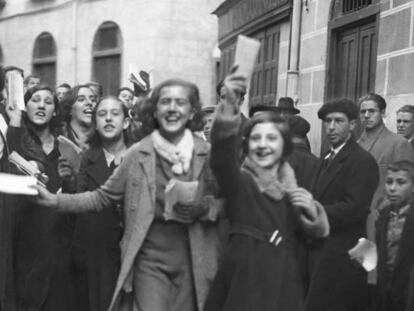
(178, 155)
(273, 182)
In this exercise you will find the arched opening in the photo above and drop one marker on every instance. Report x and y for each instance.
(106, 57)
(44, 59)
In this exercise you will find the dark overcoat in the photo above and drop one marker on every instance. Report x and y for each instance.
(345, 188)
(95, 244)
(397, 285)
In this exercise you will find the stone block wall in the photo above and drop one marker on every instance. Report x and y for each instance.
(312, 67)
(175, 38)
(395, 60)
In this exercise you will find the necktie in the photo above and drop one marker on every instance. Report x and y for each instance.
(112, 166)
(327, 161)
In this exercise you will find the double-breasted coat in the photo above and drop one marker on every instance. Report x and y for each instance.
(133, 182)
(345, 188)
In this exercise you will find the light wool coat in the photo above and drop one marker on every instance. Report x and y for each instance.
(134, 183)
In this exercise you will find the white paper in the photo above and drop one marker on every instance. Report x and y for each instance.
(17, 184)
(246, 55)
(365, 252)
(178, 191)
(15, 91)
(3, 126)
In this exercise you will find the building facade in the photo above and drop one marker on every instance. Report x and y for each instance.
(76, 41)
(317, 50)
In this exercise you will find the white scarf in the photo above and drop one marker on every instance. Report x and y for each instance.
(178, 155)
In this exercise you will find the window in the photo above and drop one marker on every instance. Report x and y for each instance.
(106, 54)
(44, 59)
(349, 6)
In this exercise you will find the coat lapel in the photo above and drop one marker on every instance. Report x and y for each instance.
(325, 176)
(97, 168)
(146, 159)
(406, 246)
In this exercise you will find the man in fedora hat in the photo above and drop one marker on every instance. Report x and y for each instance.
(284, 108)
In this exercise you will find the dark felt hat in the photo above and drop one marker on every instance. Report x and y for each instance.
(208, 109)
(261, 108)
(287, 104)
(298, 126)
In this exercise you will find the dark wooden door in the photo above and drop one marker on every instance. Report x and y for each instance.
(107, 72)
(353, 61)
(46, 73)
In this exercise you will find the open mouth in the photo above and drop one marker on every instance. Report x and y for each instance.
(88, 111)
(109, 127)
(40, 114)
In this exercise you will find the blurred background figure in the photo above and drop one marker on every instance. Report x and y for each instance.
(97, 89)
(405, 123)
(31, 81)
(61, 91)
(126, 95)
(208, 118)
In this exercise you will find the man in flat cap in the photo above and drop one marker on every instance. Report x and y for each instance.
(345, 183)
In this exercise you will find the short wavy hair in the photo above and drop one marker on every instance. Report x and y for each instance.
(378, 99)
(403, 165)
(149, 120)
(281, 124)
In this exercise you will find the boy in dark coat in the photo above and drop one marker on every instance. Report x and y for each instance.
(395, 229)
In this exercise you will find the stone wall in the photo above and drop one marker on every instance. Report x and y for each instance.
(313, 59)
(395, 60)
(175, 38)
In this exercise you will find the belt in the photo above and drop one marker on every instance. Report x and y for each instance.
(275, 237)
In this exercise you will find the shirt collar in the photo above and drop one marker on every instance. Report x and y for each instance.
(109, 157)
(337, 149)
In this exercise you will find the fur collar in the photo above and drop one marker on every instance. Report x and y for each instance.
(274, 183)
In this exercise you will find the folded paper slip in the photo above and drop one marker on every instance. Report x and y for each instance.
(178, 191)
(15, 90)
(17, 184)
(366, 252)
(247, 50)
(70, 151)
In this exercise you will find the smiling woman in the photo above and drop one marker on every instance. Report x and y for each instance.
(165, 264)
(77, 107)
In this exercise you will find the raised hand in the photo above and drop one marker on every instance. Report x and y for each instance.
(235, 85)
(14, 114)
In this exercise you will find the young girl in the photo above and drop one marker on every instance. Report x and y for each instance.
(42, 266)
(165, 265)
(260, 270)
(96, 237)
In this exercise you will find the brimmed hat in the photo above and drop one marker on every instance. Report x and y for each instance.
(287, 104)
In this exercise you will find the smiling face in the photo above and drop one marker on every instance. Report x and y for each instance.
(127, 98)
(111, 120)
(83, 107)
(173, 112)
(398, 187)
(405, 124)
(338, 128)
(265, 145)
(371, 116)
(40, 108)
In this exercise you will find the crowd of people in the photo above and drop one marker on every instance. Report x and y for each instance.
(268, 226)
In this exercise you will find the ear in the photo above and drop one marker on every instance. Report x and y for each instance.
(352, 125)
(126, 123)
(192, 113)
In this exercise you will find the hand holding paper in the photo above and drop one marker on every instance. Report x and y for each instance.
(365, 253)
(15, 91)
(180, 197)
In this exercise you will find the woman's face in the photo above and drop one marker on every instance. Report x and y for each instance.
(82, 109)
(110, 120)
(41, 107)
(173, 112)
(265, 145)
(127, 98)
